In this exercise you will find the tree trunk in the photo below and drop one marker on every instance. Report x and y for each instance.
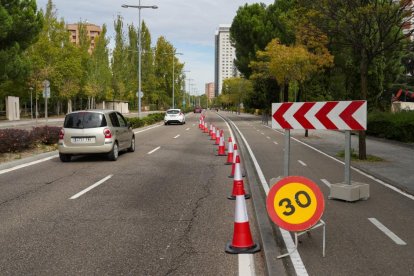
(364, 88)
(286, 92)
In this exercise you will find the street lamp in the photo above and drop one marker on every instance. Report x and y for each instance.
(139, 7)
(173, 58)
(31, 102)
(184, 102)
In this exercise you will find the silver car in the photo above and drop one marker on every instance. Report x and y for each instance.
(174, 115)
(95, 131)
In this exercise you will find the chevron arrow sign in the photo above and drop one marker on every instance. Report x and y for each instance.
(340, 115)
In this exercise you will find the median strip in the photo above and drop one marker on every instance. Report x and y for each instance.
(91, 187)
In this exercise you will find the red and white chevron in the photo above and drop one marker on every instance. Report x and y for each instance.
(340, 115)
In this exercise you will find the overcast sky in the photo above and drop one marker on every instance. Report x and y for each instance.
(188, 24)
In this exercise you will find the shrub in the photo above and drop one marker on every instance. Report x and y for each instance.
(47, 135)
(149, 120)
(13, 140)
(394, 126)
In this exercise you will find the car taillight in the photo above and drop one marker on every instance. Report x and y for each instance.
(61, 134)
(107, 133)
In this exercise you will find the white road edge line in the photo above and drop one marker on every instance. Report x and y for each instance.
(175, 137)
(154, 150)
(148, 128)
(91, 187)
(355, 169)
(28, 164)
(302, 163)
(326, 182)
(387, 231)
(297, 262)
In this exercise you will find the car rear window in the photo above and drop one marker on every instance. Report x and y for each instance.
(84, 120)
(173, 111)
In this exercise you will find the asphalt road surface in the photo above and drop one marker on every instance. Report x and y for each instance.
(162, 210)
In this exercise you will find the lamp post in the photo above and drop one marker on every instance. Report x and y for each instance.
(173, 80)
(31, 102)
(139, 7)
(184, 102)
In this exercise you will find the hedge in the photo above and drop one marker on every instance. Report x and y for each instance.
(394, 126)
(148, 120)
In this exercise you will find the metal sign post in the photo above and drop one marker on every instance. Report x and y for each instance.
(46, 94)
(287, 153)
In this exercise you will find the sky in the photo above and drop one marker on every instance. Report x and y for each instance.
(189, 25)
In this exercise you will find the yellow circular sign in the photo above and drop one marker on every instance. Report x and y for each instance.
(295, 203)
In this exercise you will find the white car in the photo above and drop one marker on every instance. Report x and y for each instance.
(174, 116)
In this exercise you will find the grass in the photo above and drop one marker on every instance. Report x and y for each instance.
(355, 157)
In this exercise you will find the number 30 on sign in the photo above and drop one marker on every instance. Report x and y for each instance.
(295, 203)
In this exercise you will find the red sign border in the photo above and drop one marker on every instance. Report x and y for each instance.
(304, 225)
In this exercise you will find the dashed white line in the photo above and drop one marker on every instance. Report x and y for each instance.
(326, 182)
(262, 133)
(302, 163)
(91, 187)
(154, 150)
(387, 231)
(175, 137)
(268, 137)
(187, 128)
(276, 143)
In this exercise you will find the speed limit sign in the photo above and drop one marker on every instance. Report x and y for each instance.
(295, 203)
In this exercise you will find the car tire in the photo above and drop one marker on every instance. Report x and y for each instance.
(113, 154)
(132, 147)
(64, 157)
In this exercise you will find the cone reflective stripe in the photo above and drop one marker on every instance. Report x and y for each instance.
(238, 184)
(242, 241)
(218, 133)
(229, 152)
(233, 164)
(213, 133)
(221, 148)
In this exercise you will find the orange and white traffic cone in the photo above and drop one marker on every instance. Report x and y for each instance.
(213, 133)
(200, 122)
(238, 181)
(221, 148)
(229, 152)
(242, 237)
(205, 127)
(218, 134)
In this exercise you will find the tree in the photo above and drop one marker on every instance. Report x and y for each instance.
(369, 28)
(236, 91)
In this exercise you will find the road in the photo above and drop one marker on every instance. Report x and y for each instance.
(162, 210)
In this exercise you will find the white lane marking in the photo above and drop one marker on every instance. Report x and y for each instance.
(355, 169)
(326, 182)
(302, 163)
(387, 231)
(258, 130)
(287, 238)
(27, 164)
(148, 128)
(262, 133)
(267, 137)
(91, 187)
(276, 143)
(175, 137)
(187, 128)
(154, 150)
(246, 265)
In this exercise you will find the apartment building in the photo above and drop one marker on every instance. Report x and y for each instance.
(93, 31)
(209, 91)
(225, 54)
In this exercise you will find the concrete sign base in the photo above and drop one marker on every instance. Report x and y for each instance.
(349, 192)
(12, 108)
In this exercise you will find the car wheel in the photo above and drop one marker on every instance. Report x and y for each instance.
(113, 154)
(132, 147)
(64, 157)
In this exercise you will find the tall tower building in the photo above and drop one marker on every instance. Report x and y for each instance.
(225, 54)
(210, 90)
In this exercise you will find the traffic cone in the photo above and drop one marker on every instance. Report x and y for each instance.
(205, 127)
(213, 133)
(238, 181)
(229, 152)
(218, 135)
(221, 148)
(200, 121)
(242, 237)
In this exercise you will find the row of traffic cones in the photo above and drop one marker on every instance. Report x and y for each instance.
(242, 241)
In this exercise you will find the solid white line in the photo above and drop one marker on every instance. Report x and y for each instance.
(246, 265)
(177, 136)
(148, 128)
(355, 169)
(91, 187)
(300, 268)
(27, 164)
(302, 163)
(326, 182)
(154, 150)
(387, 231)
